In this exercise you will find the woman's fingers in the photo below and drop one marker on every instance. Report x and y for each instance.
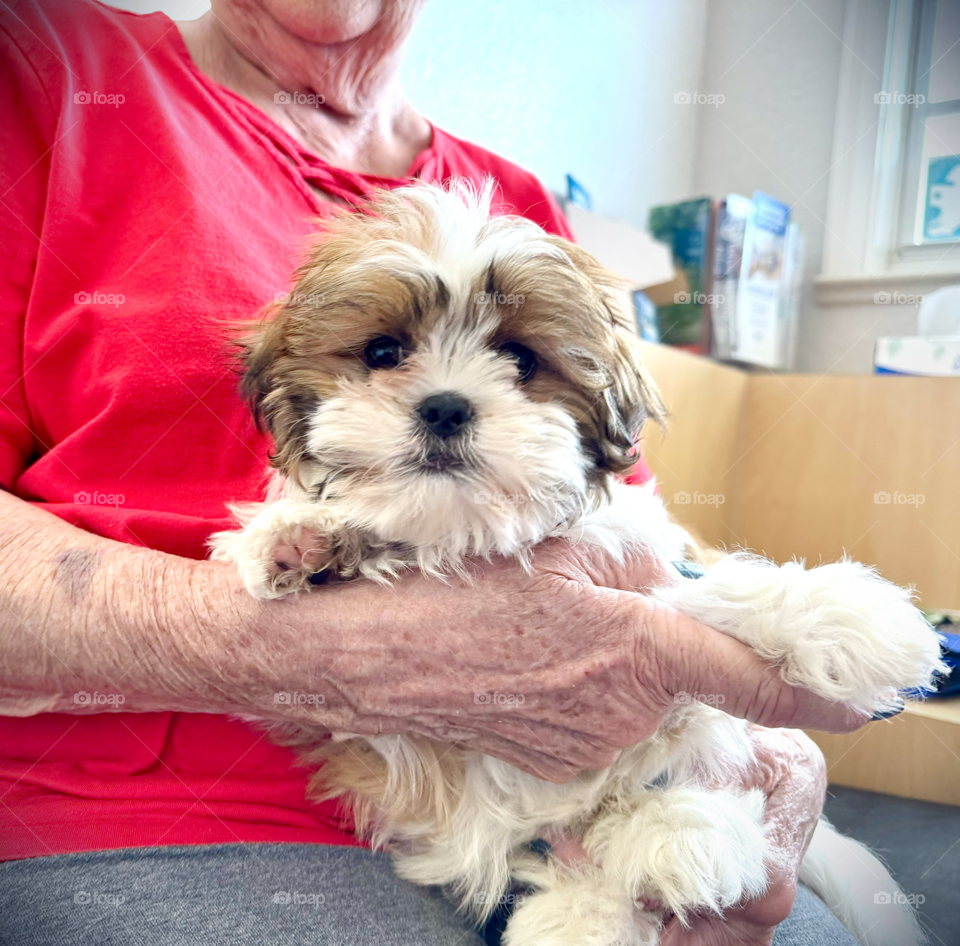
(678, 657)
(535, 763)
(544, 751)
(574, 751)
(715, 931)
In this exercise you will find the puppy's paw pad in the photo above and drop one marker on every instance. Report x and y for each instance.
(300, 549)
(279, 561)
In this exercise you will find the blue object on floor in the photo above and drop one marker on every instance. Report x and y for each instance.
(948, 685)
(950, 647)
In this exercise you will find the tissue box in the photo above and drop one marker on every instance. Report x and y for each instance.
(918, 355)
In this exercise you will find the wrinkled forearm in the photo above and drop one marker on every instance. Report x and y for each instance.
(92, 625)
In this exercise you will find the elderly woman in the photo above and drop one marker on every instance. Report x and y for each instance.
(158, 179)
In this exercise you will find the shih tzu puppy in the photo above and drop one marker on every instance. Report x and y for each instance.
(444, 384)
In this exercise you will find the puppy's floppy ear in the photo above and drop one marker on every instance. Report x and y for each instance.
(259, 345)
(626, 396)
(628, 402)
(280, 399)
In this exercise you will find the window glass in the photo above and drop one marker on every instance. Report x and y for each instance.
(945, 69)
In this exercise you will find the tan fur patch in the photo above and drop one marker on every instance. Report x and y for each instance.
(354, 771)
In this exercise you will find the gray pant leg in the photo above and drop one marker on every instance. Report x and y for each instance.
(812, 924)
(258, 895)
(222, 895)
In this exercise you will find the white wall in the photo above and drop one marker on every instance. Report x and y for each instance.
(568, 85)
(777, 63)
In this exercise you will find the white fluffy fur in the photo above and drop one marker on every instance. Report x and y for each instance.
(654, 832)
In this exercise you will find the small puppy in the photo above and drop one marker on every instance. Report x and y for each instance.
(443, 384)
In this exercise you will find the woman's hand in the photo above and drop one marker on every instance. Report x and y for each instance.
(555, 671)
(791, 770)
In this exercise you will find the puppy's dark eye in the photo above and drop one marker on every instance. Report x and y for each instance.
(383, 352)
(526, 360)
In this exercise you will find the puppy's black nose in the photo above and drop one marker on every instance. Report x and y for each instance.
(445, 414)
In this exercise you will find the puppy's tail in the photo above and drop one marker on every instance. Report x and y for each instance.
(859, 890)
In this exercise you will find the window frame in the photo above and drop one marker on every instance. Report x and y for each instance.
(863, 251)
(908, 248)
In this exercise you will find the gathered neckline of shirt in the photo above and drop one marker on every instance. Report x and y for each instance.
(351, 186)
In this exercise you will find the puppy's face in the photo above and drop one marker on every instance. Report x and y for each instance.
(449, 378)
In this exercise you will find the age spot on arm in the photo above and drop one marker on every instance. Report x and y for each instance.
(74, 570)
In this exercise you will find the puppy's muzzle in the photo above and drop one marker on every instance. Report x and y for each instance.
(445, 414)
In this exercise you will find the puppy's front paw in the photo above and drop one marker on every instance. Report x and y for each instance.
(274, 564)
(279, 550)
(298, 554)
(686, 849)
(839, 630)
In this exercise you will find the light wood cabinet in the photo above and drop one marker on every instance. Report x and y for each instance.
(803, 465)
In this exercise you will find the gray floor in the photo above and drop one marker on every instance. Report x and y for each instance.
(920, 843)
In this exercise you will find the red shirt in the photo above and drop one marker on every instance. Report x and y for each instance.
(143, 204)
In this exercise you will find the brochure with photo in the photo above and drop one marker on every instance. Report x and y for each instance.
(757, 331)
